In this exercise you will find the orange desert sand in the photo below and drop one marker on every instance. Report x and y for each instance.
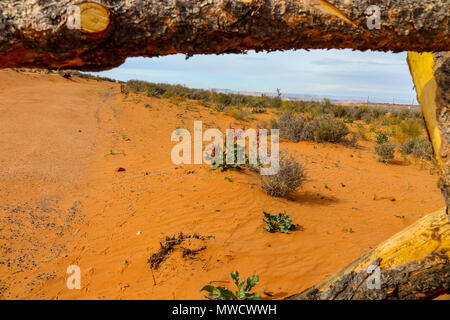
(63, 202)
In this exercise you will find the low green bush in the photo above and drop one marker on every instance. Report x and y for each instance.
(330, 130)
(418, 147)
(243, 289)
(381, 138)
(385, 151)
(278, 222)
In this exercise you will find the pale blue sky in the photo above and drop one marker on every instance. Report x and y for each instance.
(343, 73)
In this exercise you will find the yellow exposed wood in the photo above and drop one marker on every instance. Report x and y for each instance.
(429, 234)
(421, 66)
(331, 9)
(93, 17)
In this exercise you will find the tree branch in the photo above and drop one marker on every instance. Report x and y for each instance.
(90, 36)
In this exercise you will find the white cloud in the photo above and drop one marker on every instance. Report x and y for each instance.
(333, 72)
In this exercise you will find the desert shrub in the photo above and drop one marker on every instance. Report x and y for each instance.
(263, 124)
(267, 124)
(411, 128)
(237, 152)
(377, 112)
(152, 93)
(392, 120)
(177, 100)
(290, 176)
(291, 127)
(242, 293)
(274, 124)
(362, 133)
(420, 148)
(309, 130)
(85, 75)
(330, 130)
(238, 114)
(259, 110)
(275, 103)
(359, 112)
(367, 118)
(137, 85)
(408, 146)
(353, 141)
(278, 222)
(385, 151)
(385, 121)
(381, 138)
(293, 107)
(348, 120)
(219, 108)
(407, 114)
(123, 89)
(339, 111)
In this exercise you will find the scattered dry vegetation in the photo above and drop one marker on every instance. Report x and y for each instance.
(311, 120)
(168, 246)
(385, 151)
(289, 178)
(418, 147)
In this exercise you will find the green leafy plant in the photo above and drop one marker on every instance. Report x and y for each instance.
(348, 120)
(238, 155)
(278, 222)
(259, 110)
(243, 289)
(381, 138)
(219, 108)
(152, 93)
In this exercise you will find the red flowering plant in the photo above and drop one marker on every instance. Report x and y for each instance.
(236, 153)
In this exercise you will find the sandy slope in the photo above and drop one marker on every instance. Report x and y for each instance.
(62, 201)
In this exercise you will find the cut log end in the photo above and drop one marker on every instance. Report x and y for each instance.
(94, 18)
(103, 34)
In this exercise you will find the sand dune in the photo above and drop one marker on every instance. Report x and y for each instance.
(63, 202)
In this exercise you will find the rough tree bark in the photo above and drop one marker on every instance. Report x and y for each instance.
(431, 76)
(414, 264)
(45, 34)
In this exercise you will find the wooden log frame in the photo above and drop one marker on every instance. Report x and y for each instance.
(99, 35)
(431, 76)
(87, 35)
